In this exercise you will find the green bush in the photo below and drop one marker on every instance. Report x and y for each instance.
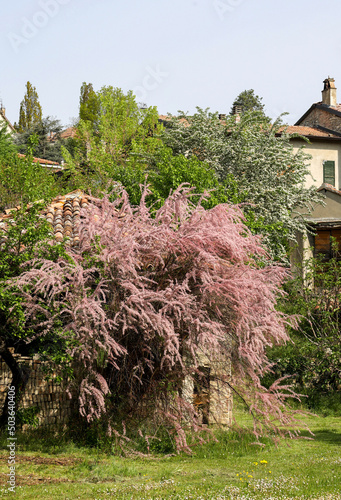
(313, 359)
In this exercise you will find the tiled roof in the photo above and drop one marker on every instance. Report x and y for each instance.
(291, 129)
(167, 118)
(67, 133)
(329, 187)
(334, 110)
(308, 131)
(63, 213)
(41, 161)
(337, 107)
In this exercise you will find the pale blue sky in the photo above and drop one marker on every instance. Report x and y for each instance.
(176, 54)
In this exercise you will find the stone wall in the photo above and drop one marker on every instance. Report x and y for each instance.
(49, 398)
(54, 407)
(323, 118)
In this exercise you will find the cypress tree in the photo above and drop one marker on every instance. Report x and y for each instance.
(89, 104)
(30, 109)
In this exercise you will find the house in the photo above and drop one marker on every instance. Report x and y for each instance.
(320, 125)
(45, 163)
(68, 133)
(5, 121)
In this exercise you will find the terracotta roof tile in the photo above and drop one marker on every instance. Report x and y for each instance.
(167, 118)
(307, 131)
(69, 132)
(337, 107)
(41, 161)
(63, 213)
(329, 187)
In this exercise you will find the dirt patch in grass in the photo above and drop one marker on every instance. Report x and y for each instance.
(67, 461)
(32, 480)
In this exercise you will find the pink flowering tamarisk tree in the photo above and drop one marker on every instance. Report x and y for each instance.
(143, 294)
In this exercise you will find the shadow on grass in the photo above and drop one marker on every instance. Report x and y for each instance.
(326, 436)
(45, 441)
(238, 442)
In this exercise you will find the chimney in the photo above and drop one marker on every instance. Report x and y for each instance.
(237, 111)
(3, 111)
(329, 92)
(222, 116)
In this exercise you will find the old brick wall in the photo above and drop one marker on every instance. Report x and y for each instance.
(323, 119)
(48, 397)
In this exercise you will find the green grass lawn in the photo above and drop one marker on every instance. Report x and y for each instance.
(234, 468)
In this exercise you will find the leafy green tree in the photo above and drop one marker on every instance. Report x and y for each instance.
(124, 139)
(127, 147)
(89, 104)
(168, 172)
(261, 159)
(314, 357)
(23, 181)
(49, 143)
(248, 101)
(30, 109)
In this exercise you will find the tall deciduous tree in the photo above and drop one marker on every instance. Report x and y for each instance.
(30, 109)
(143, 296)
(262, 160)
(123, 138)
(126, 146)
(89, 104)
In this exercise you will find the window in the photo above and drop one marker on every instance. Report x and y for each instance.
(329, 172)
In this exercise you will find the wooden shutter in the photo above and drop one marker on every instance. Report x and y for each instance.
(329, 172)
(322, 243)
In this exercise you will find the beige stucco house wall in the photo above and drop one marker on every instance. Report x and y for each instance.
(5, 120)
(321, 151)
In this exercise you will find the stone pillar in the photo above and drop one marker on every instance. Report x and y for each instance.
(220, 392)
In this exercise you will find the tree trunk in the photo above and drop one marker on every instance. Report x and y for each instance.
(19, 380)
